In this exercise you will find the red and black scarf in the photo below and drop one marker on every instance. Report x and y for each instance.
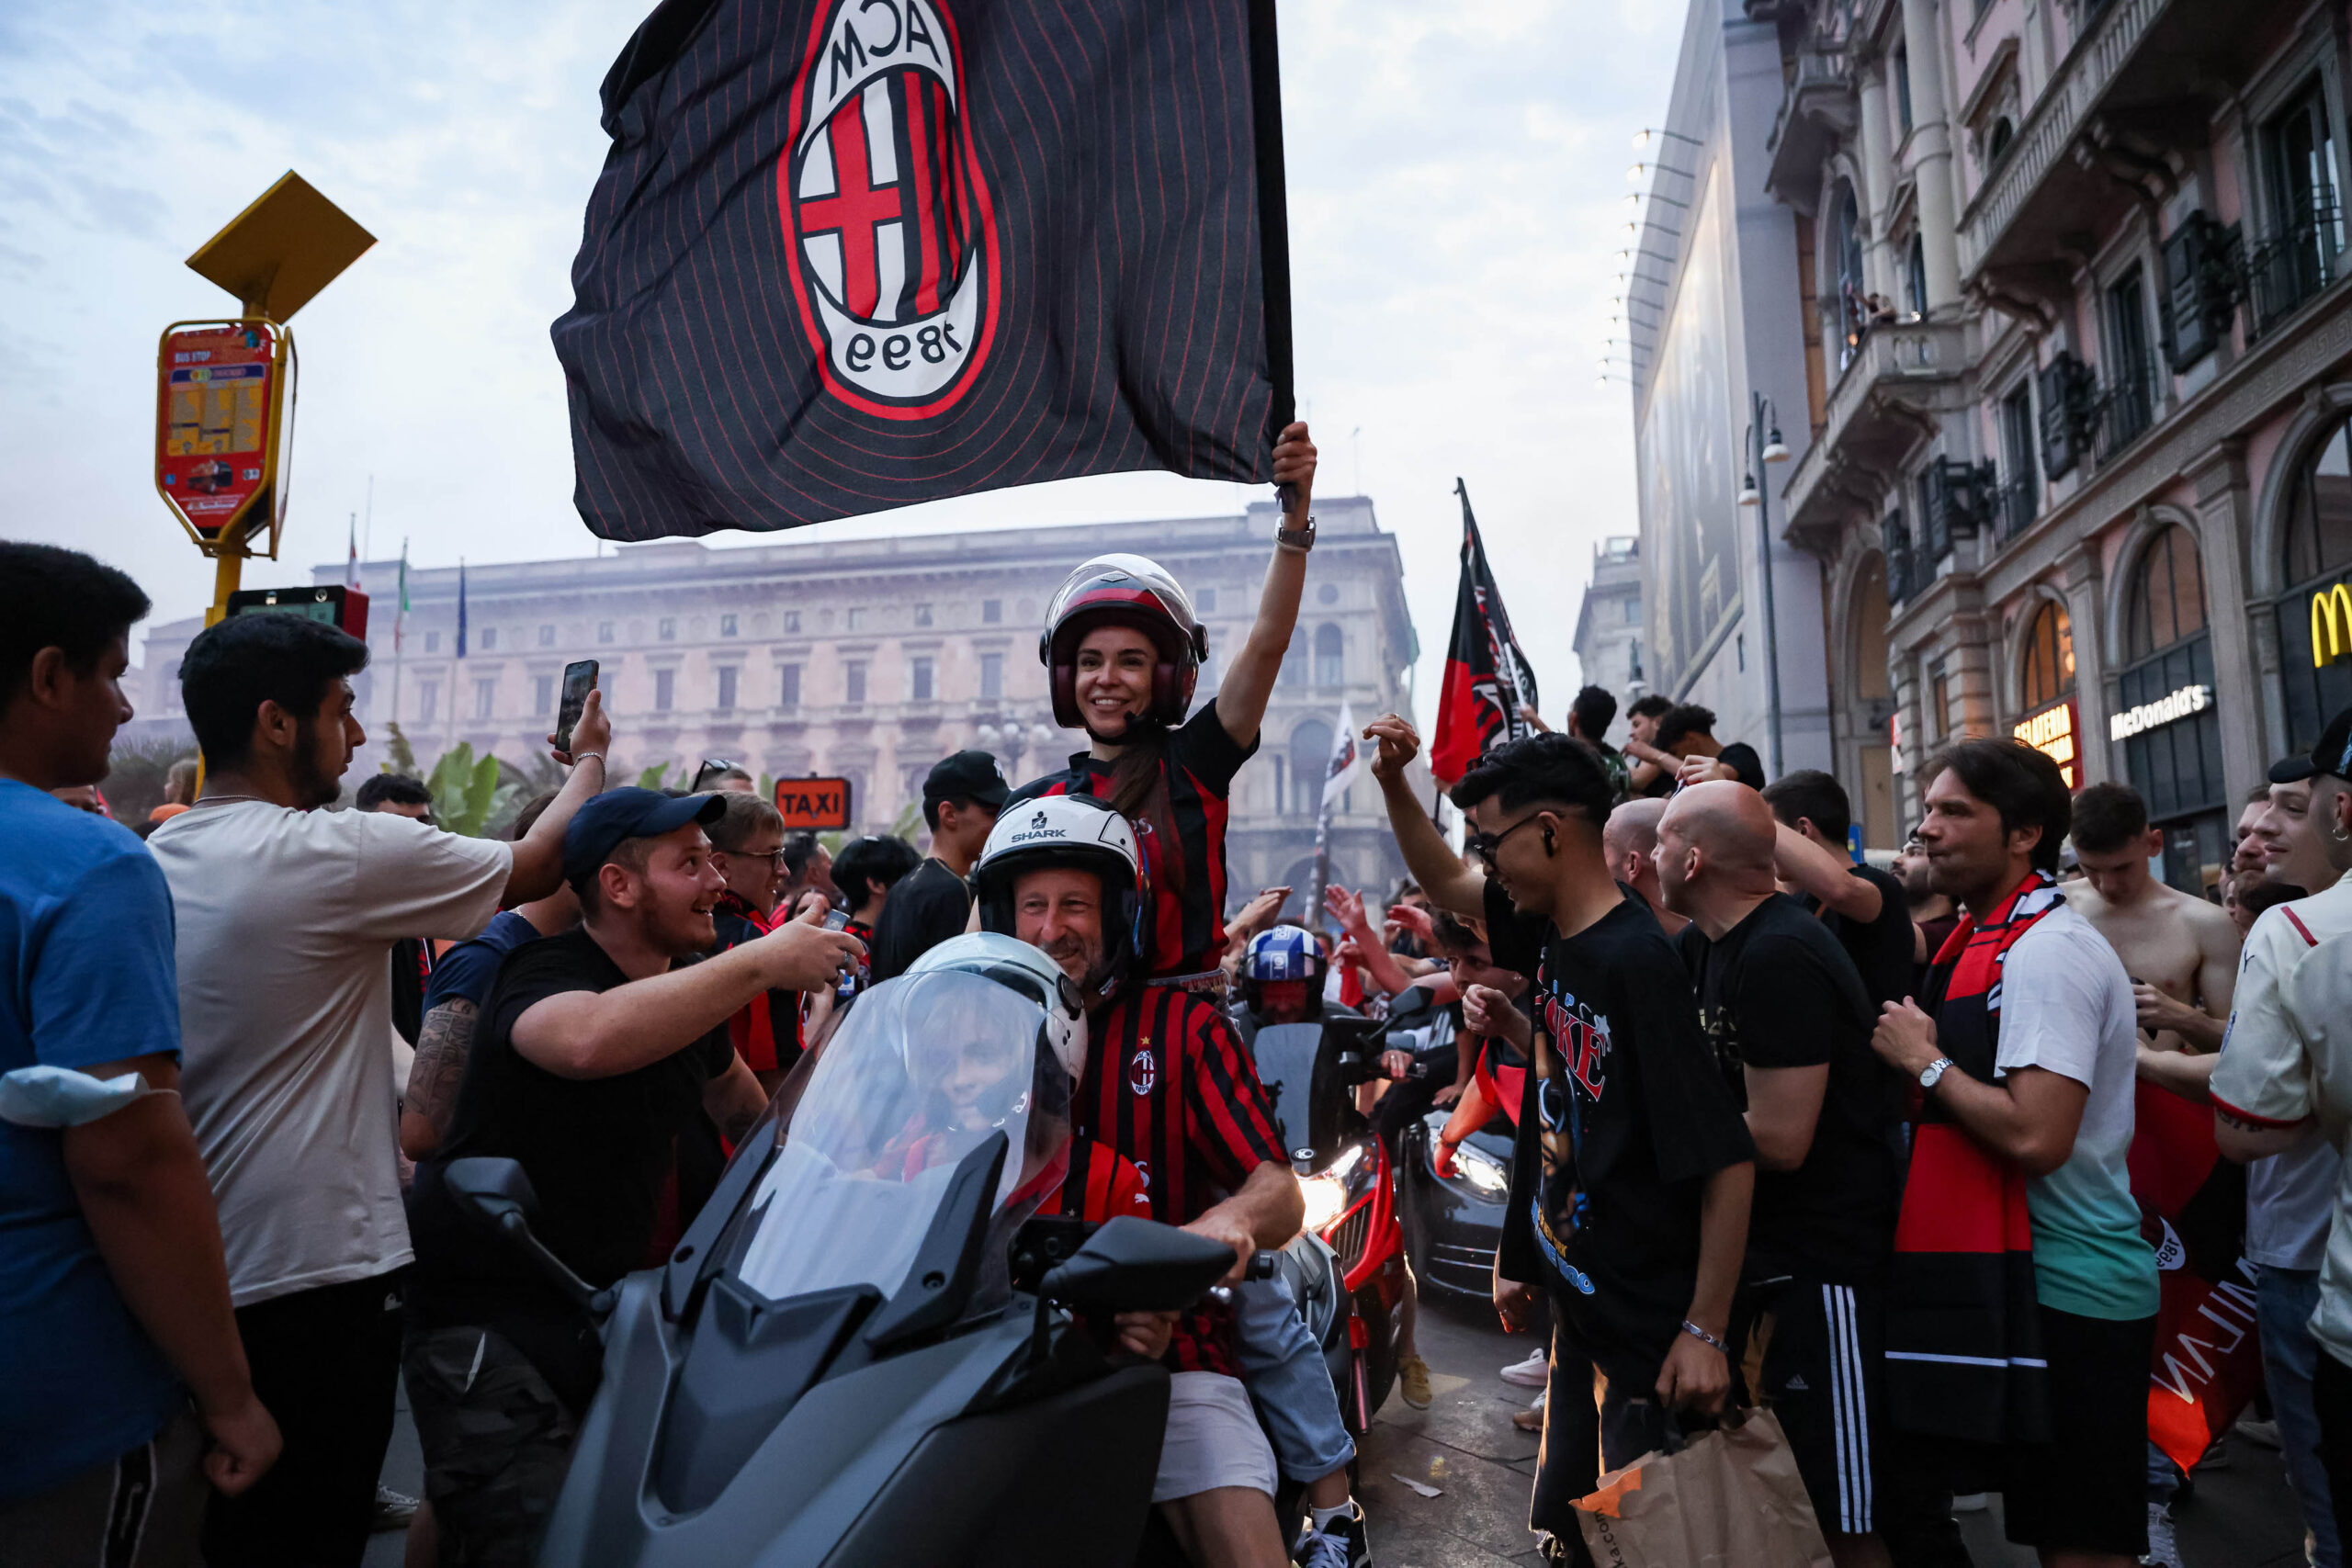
(1963, 1333)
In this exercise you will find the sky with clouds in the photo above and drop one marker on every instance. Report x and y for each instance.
(1456, 181)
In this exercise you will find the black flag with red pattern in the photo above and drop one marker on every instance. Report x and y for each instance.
(1488, 680)
(852, 254)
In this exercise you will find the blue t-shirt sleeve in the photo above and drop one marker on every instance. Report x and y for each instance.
(467, 971)
(105, 984)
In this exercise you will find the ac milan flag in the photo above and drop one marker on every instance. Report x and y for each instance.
(852, 254)
(2208, 1359)
(1487, 677)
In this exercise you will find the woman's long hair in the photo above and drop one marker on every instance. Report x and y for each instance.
(1139, 793)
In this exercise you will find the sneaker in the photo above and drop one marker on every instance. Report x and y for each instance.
(1969, 1503)
(2162, 1552)
(2265, 1433)
(393, 1510)
(1413, 1382)
(1532, 1418)
(1533, 1372)
(1343, 1543)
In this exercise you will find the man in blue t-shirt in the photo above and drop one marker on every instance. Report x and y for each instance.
(114, 1299)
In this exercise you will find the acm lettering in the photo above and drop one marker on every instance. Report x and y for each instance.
(852, 50)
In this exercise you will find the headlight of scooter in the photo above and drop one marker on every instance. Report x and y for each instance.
(1327, 1192)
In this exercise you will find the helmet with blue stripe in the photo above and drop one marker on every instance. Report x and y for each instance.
(1284, 952)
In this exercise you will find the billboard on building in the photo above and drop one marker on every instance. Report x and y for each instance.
(1688, 438)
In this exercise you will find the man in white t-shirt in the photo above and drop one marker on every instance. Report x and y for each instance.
(285, 917)
(2058, 1104)
(2281, 1091)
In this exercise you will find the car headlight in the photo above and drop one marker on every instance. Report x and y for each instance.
(1326, 1197)
(1481, 1170)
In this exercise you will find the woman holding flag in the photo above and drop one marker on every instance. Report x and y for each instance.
(1123, 649)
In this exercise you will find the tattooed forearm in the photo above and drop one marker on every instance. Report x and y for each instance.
(442, 1046)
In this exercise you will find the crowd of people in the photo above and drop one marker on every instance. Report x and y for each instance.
(1848, 1143)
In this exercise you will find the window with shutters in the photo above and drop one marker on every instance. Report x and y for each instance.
(854, 683)
(992, 676)
(665, 690)
(2067, 392)
(728, 677)
(485, 695)
(542, 696)
(1935, 521)
(2021, 484)
(2199, 289)
(919, 679)
(428, 700)
(1330, 657)
(788, 685)
(1894, 541)
(2128, 407)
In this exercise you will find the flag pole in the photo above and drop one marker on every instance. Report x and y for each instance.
(399, 626)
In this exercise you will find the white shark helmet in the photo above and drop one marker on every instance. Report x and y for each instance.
(1081, 833)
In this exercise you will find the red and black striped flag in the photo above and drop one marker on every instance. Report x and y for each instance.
(852, 254)
(1487, 677)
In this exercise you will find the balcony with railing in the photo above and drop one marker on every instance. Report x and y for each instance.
(1818, 107)
(2294, 263)
(1884, 404)
(2137, 69)
(2015, 504)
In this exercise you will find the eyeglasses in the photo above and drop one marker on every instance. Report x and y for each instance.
(1486, 846)
(713, 766)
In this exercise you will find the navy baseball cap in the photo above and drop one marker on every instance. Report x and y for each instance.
(965, 775)
(2331, 755)
(599, 828)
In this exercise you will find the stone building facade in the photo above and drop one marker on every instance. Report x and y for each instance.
(1609, 620)
(873, 658)
(2082, 465)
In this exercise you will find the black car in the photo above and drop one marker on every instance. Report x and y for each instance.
(1453, 1224)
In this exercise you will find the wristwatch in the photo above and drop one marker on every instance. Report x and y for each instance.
(1297, 538)
(1934, 1071)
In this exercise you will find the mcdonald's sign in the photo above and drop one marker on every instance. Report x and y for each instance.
(2330, 623)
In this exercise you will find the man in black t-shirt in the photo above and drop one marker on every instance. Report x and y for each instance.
(961, 796)
(598, 1050)
(1864, 906)
(1629, 1192)
(1785, 1015)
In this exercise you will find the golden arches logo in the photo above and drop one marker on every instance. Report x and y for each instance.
(2330, 623)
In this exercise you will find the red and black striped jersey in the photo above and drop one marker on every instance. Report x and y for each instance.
(766, 1030)
(1188, 878)
(1169, 1087)
(1102, 1185)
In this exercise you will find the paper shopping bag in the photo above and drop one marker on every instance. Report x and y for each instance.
(1726, 1500)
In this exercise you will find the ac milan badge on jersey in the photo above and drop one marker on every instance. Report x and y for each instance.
(892, 239)
(1143, 1071)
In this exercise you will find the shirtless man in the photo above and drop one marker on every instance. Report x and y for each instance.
(2181, 951)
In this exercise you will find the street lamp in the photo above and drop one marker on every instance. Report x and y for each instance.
(1764, 445)
(1642, 138)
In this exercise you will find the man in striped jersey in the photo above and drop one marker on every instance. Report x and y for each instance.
(1167, 1087)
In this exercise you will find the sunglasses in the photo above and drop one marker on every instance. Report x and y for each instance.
(1486, 846)
(710, 766)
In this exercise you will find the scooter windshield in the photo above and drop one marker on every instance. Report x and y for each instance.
(923, 1070)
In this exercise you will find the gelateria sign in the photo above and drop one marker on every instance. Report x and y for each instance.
(2051, 733)
(2170, 708)
(2330, 623)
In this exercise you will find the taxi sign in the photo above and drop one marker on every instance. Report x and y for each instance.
(813, 804)
(222, 388)
(329, 603)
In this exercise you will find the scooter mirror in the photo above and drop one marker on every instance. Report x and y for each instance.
(490, 1191)
(1137, 1265)
(497, 1195)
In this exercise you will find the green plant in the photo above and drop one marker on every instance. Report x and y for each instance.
(468, 792)
(651, 777)
(403, 754)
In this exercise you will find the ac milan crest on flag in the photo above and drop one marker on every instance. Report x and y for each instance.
(852, 254)
(1487, 677)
